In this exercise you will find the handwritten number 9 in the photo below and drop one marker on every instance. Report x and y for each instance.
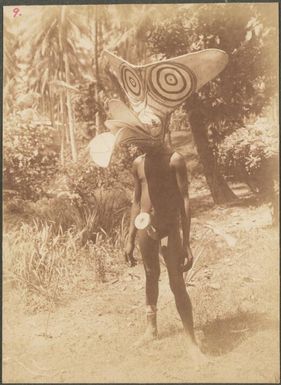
(16, 12)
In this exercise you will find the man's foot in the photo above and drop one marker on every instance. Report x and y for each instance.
(149, 336)
(195, 351)
(198, 358)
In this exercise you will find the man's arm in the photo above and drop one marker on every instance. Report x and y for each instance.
(179, 166)
(134, 212)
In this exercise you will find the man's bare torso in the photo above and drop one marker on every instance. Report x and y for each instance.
(159, 191)
(146, 205)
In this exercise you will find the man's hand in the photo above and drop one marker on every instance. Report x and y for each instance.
(187, 259)
(129, 249)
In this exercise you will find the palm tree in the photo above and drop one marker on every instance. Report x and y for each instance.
(132, 24)
(54, 37)
(11, 68)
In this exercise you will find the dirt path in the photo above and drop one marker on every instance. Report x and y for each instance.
(235, 297)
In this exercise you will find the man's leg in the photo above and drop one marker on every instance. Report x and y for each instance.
(149, 250)
(173, 261)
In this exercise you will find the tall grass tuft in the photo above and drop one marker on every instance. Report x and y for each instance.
(48, 267)
(103, 214)
(63, 245)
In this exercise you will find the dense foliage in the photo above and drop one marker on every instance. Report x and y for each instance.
(30, 157)
(67, 87)
(84, 177)
(68, 220)
(247, 149)
(86, 106)
(240, 93)
(249, 81)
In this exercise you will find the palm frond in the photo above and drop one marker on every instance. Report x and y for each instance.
(44, 80)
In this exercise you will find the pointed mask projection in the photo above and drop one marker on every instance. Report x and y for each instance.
(154, 91)
(162, 86)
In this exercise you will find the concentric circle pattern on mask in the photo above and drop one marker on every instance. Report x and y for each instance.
(170, 83)
(132, 83)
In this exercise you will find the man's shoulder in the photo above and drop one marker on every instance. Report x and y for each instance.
(177, 160)
(139, 159)
(137, 162)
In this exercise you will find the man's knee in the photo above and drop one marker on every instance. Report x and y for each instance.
(152, 274)
(177, 285)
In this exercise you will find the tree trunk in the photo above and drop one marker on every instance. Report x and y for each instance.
(51, 107)
(220, 190)
(69, 112)
(62, 132)
(97, 68)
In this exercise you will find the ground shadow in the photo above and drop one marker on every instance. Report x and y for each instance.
(171, 331)
(205, 202)
(201, 204)
(223, 335)
(245, 200)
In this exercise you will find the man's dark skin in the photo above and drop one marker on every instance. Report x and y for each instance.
(161, 189)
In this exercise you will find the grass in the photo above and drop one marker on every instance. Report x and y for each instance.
(46, 267)
(63, 246)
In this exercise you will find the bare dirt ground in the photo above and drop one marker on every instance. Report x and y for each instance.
(235, 296)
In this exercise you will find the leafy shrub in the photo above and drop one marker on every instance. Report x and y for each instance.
(247, 149)
(250, 154)
(84, 177)
(234, 94)
(30, 157)
(85, 105)
(68, 211)
(62, 212)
